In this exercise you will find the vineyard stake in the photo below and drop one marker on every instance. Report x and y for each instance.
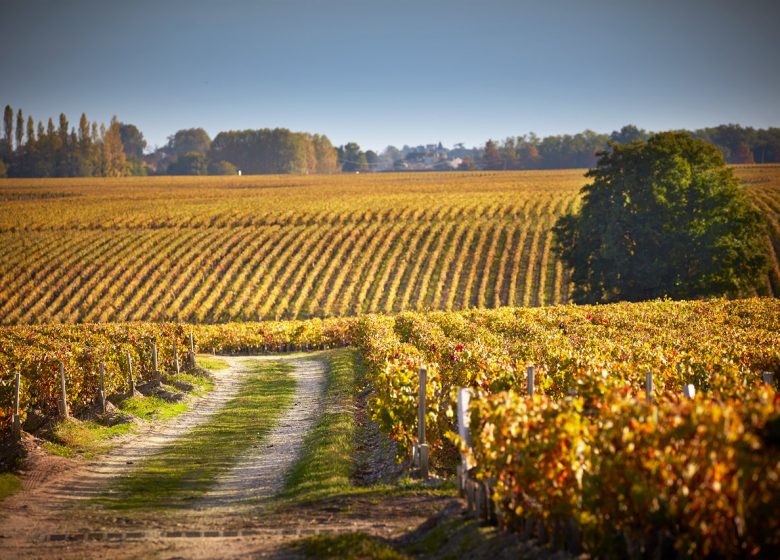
(530, 372)
(423, 447)
(192, 351)
(464, 399)
(768, 377)
(689, 391)
(130, 374)
(649, 386)
(63, 400)
(154, 360)
(17, 424)
(175, 355)
(102, 391)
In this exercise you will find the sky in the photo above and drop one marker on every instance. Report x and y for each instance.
(381, 72)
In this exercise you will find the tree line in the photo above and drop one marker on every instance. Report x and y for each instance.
(97, 150)
(736, 143)
(93, 149)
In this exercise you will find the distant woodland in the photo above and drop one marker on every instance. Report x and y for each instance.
(91, 149)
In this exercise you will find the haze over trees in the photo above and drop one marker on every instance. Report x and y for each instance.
(117, 150)
(274, 151)
(91, 149)
(664, 217)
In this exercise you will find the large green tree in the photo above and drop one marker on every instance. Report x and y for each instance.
(352, 158)
(189, 140)
(192, 163)
(664, 217)
(132, 140)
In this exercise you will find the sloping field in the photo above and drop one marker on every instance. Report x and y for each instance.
(278, 247)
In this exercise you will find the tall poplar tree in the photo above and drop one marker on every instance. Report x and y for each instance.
(30, 131)
(8, 121)
(29, 165)
(85, 148)
(113, 151)
(19, 130)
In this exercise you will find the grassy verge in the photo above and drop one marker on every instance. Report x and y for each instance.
(325, 465)
(187, 468)
(87, 439)
(453, 537)
(152, 408)
(73, 438)
(327, 459)
(9, 484)
(213, 363)
(350, 546)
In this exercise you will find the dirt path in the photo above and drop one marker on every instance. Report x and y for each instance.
(260, 473)
(51, 519)
(52, 487)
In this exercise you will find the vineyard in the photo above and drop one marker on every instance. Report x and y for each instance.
(453, 272)
(590, 460)
(215, 250)
(588, 450)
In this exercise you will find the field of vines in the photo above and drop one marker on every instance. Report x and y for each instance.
(589, 462)
(221, 249)
(695, 476)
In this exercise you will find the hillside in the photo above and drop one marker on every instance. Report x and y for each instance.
(279, 247)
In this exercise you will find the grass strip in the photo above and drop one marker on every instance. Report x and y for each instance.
(9, 484)
(349, 546)
(187, 468)
(325, 465)
(152, 408)
(86, 439)
(212, 363)
(328, 455)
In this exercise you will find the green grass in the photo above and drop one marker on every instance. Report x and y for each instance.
(325, 465)
(327, 458)
(207, 361)
(9, 484)
(152, 408)
(202, 383)
(349, 546)
(72, 438)
(187, 468)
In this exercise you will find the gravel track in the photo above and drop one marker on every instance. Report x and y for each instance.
(260, 472)
(52, 487)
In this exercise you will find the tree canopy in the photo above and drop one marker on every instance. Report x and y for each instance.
(663, 217)
(188, 140)
(275, 150)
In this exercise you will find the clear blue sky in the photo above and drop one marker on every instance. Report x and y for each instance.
(394, 72)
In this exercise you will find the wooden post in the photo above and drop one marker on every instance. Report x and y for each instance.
(649, 386)
(192, 350)
(423, 447)
(157, 378)
(17, 420)
(530, 372)
(464, 399)
(768, 377)
(131, 381)
(689, 391)
(176, 355)
(102, 391)
(62, 404)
